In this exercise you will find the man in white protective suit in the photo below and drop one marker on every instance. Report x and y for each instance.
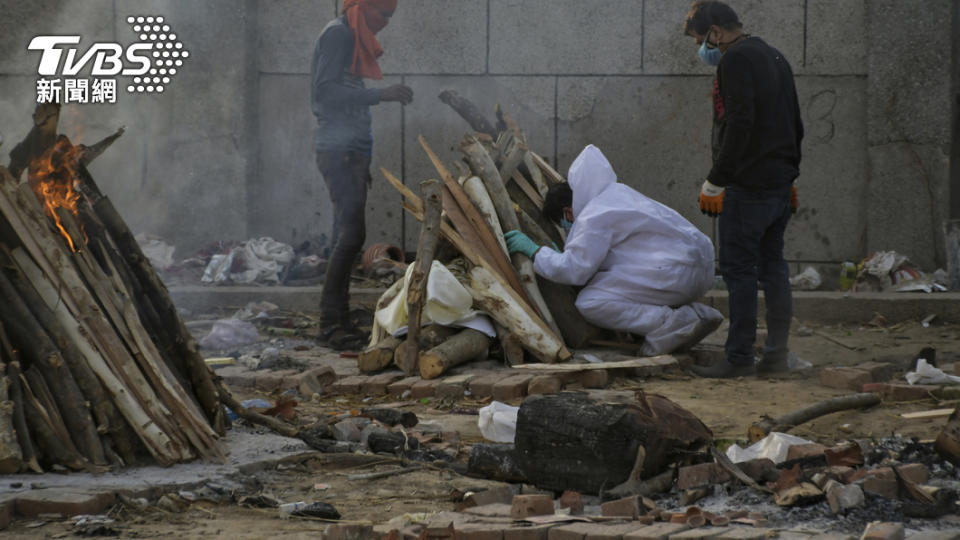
(641, 263)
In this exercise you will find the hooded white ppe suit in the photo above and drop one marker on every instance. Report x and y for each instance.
(637, 258)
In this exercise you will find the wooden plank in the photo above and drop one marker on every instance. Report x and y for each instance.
(528, 190)
(547, 170)
(935, 413)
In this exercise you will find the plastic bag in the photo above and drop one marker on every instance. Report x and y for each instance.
(808, 280)
(498, 422)
(927, 374)
(228, 333)
(773, 446)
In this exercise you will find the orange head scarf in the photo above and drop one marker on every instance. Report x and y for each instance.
(365, 19)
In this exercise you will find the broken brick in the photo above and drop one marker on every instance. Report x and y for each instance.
(627, 507)
(531, 505)
(573, 531)
(572, 500)
(879, 371)
(694, 521)
(593, 378)
(657, 531)
(612, 532)
(348, 385)
(883, 531)
(536, 532)
(914, 472)
(269, 381)
(502, 495)
(901, 392)
(6, 513)
(438, 529)
(762, 470)
(844, 497)
(478, 531)
(348, 531)
(399, 387)
(884, 487)
(844, 378)
(453, 387)
(61, 501)
(544, 384)
(424, 388)
(513, 387)
(800, 451)
(482, 386)
(316, 380)
(848, 454)
(701, 475)
(376, 385)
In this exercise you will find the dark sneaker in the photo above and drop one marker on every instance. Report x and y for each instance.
(343, 337)
(724, 370)
(773, 367)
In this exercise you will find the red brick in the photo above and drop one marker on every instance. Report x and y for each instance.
(879, 371)
(482, 386)
(657, 531)
(573, 531)
(269, 381)
(376, 385)
(536, 532)
(883, 531)
(424, 388)
(594, 378)
(6, 513)
(914, 472)
(513, 387)
(453, 387)
(883, 487)
(401, 386)
(573, 501)
(844, 378)
(531, 505)
(762, 470)
(703, 474)
(494, 510)
(544, 384)
(479, 531)
(901, 392)
(844, 455)
(439, 529)
(63, 502)
(348, 531)
(799, 451)
(316, 380)
(626, 507)
(695, 521)
(502, 495)
(348, 385)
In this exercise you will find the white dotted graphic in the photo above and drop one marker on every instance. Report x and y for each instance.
(167, 52)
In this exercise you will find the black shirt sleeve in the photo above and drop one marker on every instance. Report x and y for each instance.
(737, 89)
(331, 59)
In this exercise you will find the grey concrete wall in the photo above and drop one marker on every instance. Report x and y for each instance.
(227, 153)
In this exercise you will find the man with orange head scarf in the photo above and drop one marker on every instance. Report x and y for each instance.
(346, 52)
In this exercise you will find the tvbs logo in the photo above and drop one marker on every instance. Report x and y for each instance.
(107, 57)
(151, 62)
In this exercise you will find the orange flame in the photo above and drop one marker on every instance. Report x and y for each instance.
(53, 177)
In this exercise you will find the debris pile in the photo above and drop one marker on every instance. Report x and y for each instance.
(99, 368)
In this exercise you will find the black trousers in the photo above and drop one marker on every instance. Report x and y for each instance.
(347, 175)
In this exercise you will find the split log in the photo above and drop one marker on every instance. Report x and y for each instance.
(465, 346)
(430, 337)
(469, 112)
(39, 349)
(570, 441)
(790, 420)
(42, 135)
(549, 173)
(948, 440)
(477, 192)
(90, 153)
(52, 438)
(379, 356)
(495, 300)
(511, 346)
(11, 458)
(483, 166)
(20, 418)
(535, 174)
(417, 284)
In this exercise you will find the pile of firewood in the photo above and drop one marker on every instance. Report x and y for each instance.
(500, 187)
(97, 367)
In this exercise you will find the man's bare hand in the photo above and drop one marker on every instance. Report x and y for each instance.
(397, 92)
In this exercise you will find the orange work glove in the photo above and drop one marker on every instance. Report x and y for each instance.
(711, 199)
(794, 201)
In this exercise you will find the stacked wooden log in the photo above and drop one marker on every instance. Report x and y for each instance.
(500, 187)
(98, 369)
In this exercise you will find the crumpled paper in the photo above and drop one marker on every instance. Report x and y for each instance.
(774, 446)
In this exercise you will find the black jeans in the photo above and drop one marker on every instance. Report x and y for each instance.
(751, 250)
(347, 175)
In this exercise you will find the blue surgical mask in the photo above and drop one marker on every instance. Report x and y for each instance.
(709, 55)
(567, 225)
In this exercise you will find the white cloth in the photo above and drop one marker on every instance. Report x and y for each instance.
(636, 257)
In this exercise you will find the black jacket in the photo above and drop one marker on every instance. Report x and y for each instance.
(760, 130)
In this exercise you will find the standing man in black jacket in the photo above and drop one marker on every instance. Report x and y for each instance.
(757, 134)
(346, 52)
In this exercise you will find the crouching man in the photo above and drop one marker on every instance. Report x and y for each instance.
(642, 264)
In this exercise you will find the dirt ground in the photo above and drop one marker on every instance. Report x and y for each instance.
(728, 407)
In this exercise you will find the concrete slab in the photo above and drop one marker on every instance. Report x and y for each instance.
(643, 125)
(666, 50)
(829, 23)
(834, 115)
(436, 36)
(65, 502)
(288, 30)
(560, 36)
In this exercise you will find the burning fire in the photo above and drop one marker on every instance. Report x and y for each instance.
(53, 177)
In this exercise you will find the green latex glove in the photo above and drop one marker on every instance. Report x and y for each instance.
(517, 241)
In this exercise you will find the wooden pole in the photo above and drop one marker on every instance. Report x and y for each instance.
(792, 419)
(469, 112)
(417, 286)
(11, 457)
